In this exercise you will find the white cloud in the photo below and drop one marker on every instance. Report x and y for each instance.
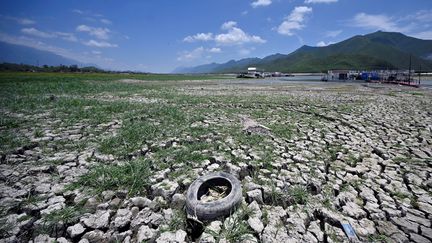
(101, 44)
(321, 1)
(105, 21)
(228, 25)
(377, 22)
(323, 43)
(261, 3)
(96, 52)
(333, 33)
(236, 36)
(199, 37)
(215, 50)
(100, 33)
(294, 21)
(37, 33)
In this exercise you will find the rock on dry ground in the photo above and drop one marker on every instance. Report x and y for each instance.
(309, 157)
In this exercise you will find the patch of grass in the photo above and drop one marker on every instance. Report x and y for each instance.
(11, 139)
(236, 229)
(379, 238)
(132, 176)
(285, 131)
(414, 202)
(299, 194)
(68, 215)
(37, 133)
(399, 194)
(352, 161)
(276, 196)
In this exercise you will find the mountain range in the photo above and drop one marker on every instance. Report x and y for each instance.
(19, 54)
(378, 50)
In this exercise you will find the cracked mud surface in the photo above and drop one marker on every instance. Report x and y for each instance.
(110, 161)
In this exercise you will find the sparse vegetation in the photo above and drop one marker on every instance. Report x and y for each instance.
(131, 175)
(299, 194)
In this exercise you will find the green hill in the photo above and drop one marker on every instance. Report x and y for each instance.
(379, 50)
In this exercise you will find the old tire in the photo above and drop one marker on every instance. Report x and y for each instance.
(217, 208)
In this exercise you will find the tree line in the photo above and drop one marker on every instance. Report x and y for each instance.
(13, 67)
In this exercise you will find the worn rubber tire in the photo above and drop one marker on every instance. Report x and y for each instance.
(214, 209)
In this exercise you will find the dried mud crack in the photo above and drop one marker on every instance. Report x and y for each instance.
(111, 161)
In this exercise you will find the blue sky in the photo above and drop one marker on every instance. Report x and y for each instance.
(160, 35)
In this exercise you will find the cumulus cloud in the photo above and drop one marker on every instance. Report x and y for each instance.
(100, 33)
(199, 37)
(236, 36)
(233, 36)
(228, 25)
(37, 33)
(376, 22)
(260, 3)
(321, 1)
(323, 43)
(100, 44)
(295, 21)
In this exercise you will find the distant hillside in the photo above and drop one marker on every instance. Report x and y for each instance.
(11, 53)
(379, 50)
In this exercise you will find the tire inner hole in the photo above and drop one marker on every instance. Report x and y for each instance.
(214, 189)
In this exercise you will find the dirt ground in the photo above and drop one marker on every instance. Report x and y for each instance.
(111, 161)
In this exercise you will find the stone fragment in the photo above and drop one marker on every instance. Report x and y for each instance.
(75, 230)
(99, 220)
(255, 195)
(165, 188)
(95, 236)
(256, 224)
(352, 209)
(406, 225)
(122, 218)
(418, 238)
(146, 233)
(172, 237)
(390, 230)
(140, 202)
(178, 201)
